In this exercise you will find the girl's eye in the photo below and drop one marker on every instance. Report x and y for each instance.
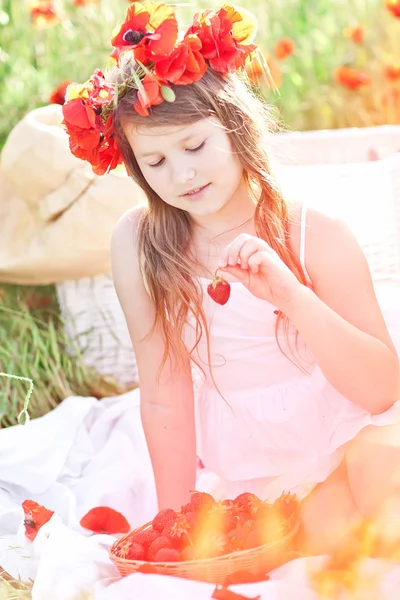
(158, 164)
(197, 148)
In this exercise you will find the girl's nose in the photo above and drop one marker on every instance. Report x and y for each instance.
(184, 173)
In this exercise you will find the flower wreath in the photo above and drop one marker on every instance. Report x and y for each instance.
(222, 40)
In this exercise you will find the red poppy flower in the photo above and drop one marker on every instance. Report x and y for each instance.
(103, 519)
(90, 138)
(355, 34)
(151, 30)
(226, 36)
(284, 48)
(185, 65)
(393, 6)
(392, 72)
(85, 2)
(35, 517)
(43, 13)
(353, 79)
(151, 97)
(58, 94)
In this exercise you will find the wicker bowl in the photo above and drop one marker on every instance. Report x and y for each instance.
(253, 562)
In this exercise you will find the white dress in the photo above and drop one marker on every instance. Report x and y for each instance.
(276, 426)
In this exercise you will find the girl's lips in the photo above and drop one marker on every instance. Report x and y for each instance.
(198, 193)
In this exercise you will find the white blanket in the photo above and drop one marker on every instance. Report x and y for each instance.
(87, 453)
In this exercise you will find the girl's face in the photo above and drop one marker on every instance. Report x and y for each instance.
(192, 167)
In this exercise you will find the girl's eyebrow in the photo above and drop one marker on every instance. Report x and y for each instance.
(185, 139)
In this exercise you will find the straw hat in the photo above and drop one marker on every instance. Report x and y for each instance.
(56, 215)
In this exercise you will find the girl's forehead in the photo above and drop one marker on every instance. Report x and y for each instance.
(144, 134)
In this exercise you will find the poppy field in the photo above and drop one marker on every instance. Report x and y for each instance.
(334, 64)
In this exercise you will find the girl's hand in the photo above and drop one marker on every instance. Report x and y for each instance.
(255, 264)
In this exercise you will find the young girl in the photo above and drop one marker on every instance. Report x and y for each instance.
(271, 389)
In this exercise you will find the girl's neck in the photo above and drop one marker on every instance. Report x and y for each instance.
(230, 220)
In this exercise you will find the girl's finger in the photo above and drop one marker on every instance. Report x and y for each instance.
(256, 260)
(231, 254)
(238, 273)
(248, 249)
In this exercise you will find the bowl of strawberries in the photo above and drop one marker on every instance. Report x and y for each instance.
(219, 542)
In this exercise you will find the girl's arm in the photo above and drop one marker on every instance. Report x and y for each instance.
(342, 322)
(167, 404)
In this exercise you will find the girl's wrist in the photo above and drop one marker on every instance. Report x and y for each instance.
(298, 300)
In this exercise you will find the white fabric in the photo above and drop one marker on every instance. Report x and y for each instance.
(87, 453)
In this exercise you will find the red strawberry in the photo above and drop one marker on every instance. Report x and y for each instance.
(219, 290)
(161, 542)
(237, 539)
(219, 518)
(181, 531)
(163, 517)
(167, 555)
(35, 517)
(136, 552)
(287, 504)
(103, 519)
(211, 544)
(247, 502)
(145, 538)
(201, 500)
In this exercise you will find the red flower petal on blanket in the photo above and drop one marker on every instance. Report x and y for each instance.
(35, 517)
(103, 519)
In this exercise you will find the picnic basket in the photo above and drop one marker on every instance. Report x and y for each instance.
(218, 570)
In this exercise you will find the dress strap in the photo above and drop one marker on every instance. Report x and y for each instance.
(303, 224)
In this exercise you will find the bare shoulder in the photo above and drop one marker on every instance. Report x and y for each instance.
(124, 237)
(340, 273)
(330, 243)
(127, 275)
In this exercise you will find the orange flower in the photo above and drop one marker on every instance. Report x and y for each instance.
(284, 48)
(392, 72)
(226, 36)
(186, 63)
(85, 2)
(150, 30)
(393, 6)
(35, 517)
(152, 96)
(355, 34)
(255, 69)
(353, 79)
(43, 13)
(58, 94)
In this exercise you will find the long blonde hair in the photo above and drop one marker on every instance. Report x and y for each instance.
(165, 231)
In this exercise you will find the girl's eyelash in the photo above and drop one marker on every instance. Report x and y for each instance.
(197, 147)
(160, 162)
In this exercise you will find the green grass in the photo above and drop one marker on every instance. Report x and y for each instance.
(33, 344)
